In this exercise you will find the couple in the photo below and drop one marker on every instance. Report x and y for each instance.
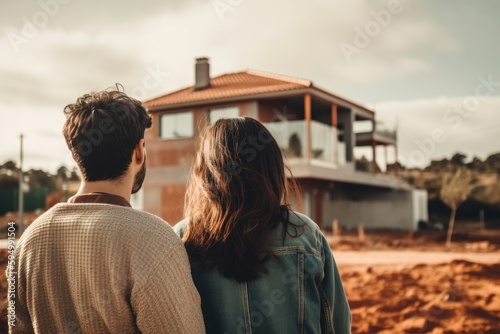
(95, 265)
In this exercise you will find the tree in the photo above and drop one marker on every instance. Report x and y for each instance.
(458, 159)
(39, 178)
(455, 189)
(8, 181)
(492, 163)
(9, 175)
(476, 164)
(74, 175)
(62, 173)
(9, 165)
(438, 165)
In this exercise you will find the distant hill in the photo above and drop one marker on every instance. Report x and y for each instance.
(484, 199)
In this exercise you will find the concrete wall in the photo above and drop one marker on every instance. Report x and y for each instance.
(398, 209)
(420, 210)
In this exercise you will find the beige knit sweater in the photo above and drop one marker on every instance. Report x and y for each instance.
(100, 268)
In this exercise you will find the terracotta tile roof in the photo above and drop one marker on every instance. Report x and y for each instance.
(231, 85)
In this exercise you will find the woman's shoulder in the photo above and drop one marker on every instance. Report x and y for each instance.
(301, 232)
(180, 228)
(300, 219)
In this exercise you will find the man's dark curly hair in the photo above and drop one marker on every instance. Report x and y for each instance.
(102, 129)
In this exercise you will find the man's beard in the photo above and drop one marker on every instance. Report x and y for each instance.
(139, 178)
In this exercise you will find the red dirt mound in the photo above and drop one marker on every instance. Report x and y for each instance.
(455, 297)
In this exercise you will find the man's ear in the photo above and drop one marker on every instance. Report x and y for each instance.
(140, 152)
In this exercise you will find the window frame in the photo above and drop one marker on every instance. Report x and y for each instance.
(222, 108)
(189, 111)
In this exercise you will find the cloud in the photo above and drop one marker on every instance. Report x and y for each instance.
(90, 46)
(300, 40)
(420, 122)
(90, 13)
(44, 145)
(399, 48)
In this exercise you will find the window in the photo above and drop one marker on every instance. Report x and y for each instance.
(215, 114)
(176, 126)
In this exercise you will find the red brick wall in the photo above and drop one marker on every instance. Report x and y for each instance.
(173, 202)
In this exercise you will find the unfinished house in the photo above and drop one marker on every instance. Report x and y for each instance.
(318, 132)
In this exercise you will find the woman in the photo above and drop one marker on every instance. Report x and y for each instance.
(259, 267)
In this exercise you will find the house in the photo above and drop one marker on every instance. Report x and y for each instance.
(317, 131)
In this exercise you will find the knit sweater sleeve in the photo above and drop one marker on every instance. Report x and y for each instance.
(167, 301)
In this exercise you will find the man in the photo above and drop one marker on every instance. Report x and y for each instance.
(94, 264)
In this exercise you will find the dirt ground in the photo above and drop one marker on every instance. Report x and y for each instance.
(451, 297)
(400, 282)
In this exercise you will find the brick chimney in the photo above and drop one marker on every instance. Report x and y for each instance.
(202, 73)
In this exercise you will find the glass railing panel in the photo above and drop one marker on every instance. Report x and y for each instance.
(323, 140)
(291, 137)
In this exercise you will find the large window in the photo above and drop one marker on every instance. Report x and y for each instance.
(215, 114)
(176, 126)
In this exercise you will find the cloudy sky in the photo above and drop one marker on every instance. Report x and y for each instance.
(431, 68)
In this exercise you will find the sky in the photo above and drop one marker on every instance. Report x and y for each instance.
(431, 69)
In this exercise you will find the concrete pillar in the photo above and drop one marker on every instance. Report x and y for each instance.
(346, 117)
(385, 158)
(335, 138)
(396, 163)
(374, 156)
(308, 118)
(334, 116)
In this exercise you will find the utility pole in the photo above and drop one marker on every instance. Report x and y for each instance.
(21, 186)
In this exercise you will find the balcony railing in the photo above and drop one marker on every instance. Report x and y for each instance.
(379, 136)
(385, 133)
(292, 139)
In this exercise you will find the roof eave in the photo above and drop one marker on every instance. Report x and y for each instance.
(231, 99)
(323, 94)
(314, 91)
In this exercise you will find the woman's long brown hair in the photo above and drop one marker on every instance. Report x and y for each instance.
(237, 194)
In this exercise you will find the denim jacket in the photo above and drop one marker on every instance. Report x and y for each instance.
(300, 293)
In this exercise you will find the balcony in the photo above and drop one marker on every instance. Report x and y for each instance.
(292, 139)
(380, 136)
